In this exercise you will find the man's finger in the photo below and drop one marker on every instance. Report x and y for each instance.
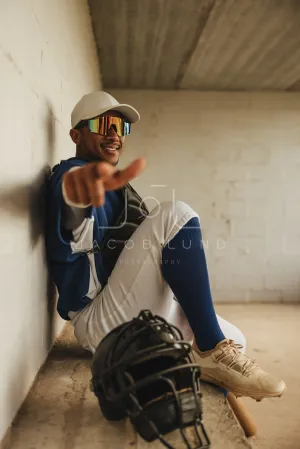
(120, 177)
(96, 192)
(75, 188)
(103, 170)
(80, 188)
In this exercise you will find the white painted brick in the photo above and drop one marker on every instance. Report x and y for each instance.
(240, 172)
(291, 244)
(179, 101)
(50, 82)
(256, 208)
(48, 60)
(212, 147)
(282, 282)
(251, 227)
(252, 153)
(265, 296)
(217, 251)
(247, 189)
(248, 265)
(248, 245)
(291, 295)
(229, 296)
(16, 113)
(237, 208)
(260, 173)
(291, 229)
(230, 172)
(290, 182)
(279, 265)
(221, 209)
(248, 281)
(21, 40)
(288, 154)
(218, 229)
(222, 282)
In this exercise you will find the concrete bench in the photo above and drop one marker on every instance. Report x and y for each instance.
(62, 413)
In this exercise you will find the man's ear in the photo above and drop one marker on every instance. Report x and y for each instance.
(75, 136)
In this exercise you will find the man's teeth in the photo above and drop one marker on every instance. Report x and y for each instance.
(109, 148)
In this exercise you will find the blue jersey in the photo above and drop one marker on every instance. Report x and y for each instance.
(75, 265)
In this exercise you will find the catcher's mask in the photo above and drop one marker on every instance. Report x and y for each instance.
(143, 369)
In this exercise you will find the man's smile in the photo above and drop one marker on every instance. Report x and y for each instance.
(109, 148)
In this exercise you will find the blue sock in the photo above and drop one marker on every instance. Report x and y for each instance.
(185, 270)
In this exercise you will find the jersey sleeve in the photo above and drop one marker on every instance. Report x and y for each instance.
(66, 249)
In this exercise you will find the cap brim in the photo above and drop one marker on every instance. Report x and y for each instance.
(128, 111)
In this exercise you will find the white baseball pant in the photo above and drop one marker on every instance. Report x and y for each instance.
(136, 282)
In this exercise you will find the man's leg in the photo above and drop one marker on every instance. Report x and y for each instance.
(185, 270)
(221, 359)
(177, 317)
(137, 283)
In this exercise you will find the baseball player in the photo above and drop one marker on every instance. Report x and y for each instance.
(110, 257)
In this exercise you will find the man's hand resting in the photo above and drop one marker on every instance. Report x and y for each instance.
(87, 185)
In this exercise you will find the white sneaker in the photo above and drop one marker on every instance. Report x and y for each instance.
(227, 367)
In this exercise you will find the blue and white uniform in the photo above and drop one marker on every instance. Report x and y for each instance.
(95, 298)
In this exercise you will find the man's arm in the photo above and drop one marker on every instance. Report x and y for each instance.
(86, 186)
(72, 214)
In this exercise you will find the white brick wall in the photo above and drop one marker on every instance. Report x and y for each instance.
(48, 61)
(235, 158)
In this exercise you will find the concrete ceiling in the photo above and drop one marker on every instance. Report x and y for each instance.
(198, 44)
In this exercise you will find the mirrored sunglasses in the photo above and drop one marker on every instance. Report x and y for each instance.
(102, 125)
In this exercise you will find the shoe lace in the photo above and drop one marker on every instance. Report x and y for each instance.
(231, 350)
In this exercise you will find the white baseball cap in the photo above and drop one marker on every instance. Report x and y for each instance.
(96, 103)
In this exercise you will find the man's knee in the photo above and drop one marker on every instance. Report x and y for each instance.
(168, 217)
(175, 208)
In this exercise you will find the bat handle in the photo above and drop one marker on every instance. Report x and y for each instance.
(242, 415)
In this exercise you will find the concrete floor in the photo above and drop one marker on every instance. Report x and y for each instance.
(61, 412)
(273, 336)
